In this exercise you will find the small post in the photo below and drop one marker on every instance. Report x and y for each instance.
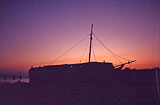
(158, 91)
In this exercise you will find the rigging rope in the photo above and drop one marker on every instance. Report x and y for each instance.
(107, 48)
(69, 49)
(114, 54)
(93, 52)
(83, 52)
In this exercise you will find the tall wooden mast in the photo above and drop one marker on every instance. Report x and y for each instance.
(90, 43)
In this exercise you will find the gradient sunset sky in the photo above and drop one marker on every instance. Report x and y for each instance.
(36, 32)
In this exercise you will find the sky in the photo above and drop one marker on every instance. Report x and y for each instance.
(36, 32)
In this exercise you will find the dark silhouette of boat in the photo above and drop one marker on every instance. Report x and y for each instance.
(66, 73)
(99, 81)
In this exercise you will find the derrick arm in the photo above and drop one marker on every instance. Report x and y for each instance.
(119, 67)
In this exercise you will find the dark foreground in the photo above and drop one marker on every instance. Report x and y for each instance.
(99, 94)
(122, 88)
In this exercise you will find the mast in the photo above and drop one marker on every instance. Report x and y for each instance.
(90, 43)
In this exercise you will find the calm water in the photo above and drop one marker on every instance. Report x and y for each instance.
(13, 81)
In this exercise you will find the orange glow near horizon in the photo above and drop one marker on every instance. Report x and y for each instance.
(23, 63)
(35, 34)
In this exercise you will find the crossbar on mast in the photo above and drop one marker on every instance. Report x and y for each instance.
(90, 43)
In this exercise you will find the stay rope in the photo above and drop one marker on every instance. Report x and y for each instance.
(69, 49)
(113, 54)
(83, 52)
(93, 52)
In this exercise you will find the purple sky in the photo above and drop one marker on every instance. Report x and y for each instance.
(36, 32)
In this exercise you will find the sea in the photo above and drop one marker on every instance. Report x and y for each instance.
(14, 81)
